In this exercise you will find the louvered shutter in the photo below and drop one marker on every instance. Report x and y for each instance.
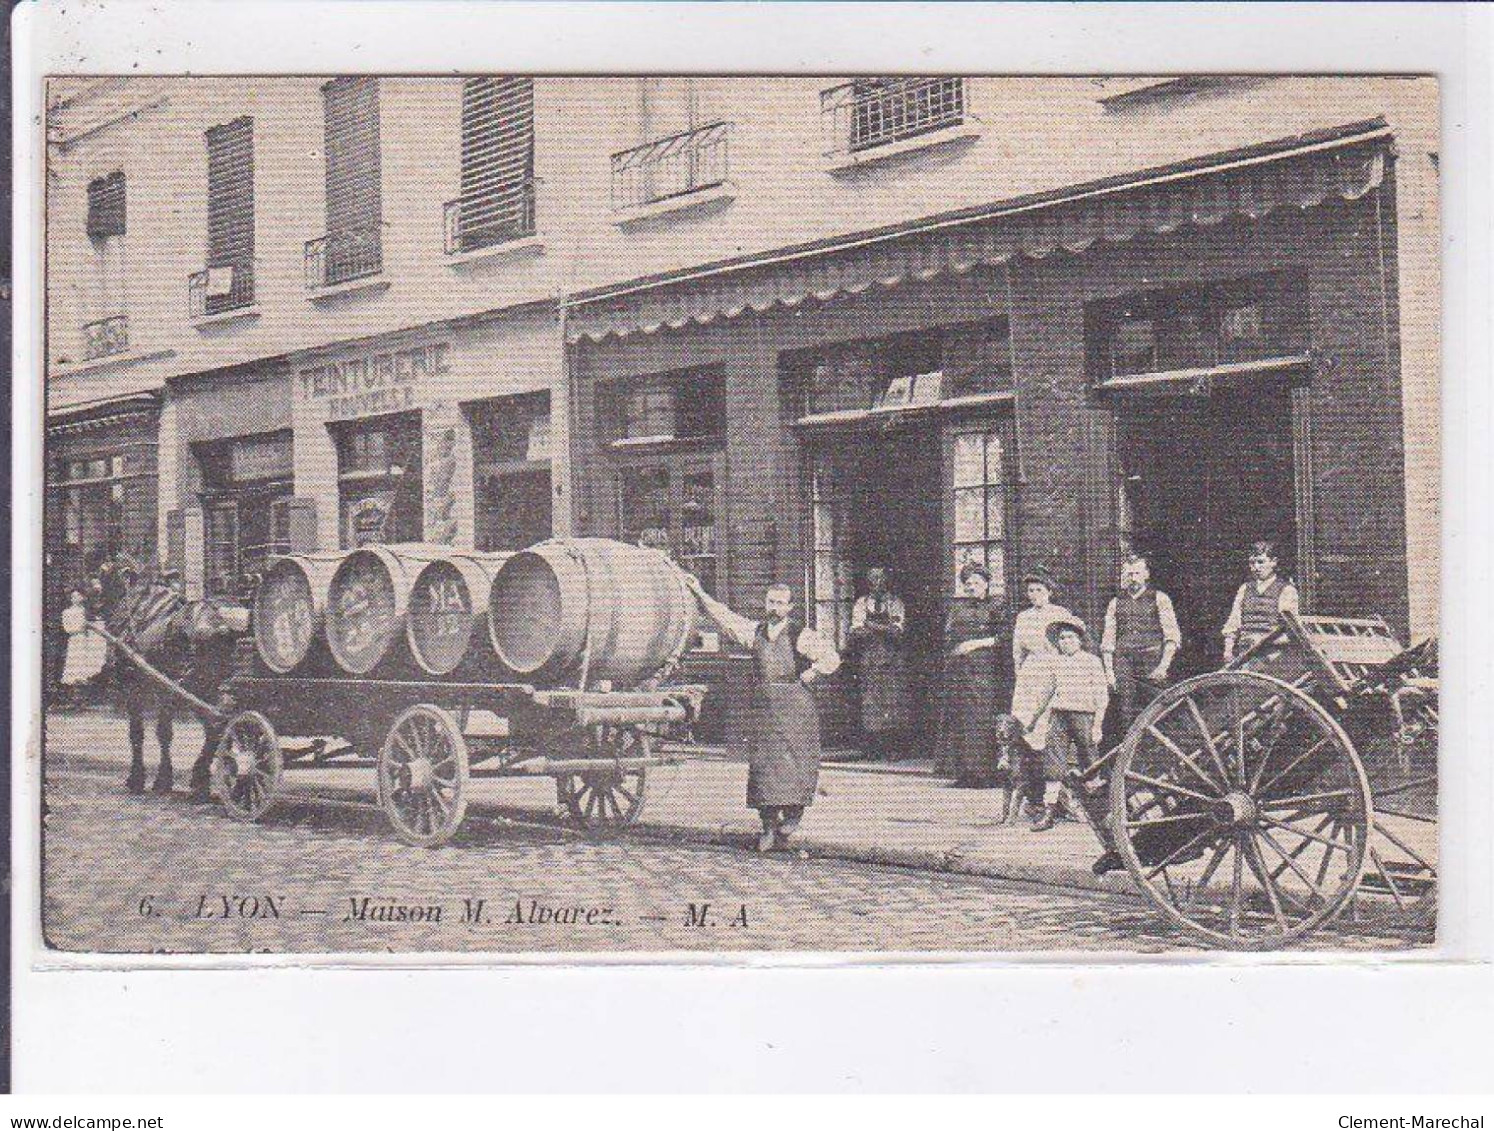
(497, 161)
(106, 206)
(354, 201)
(230, 150)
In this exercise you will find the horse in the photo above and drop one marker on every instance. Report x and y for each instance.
(190, 642)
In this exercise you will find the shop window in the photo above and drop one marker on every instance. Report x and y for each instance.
(832, 577)
(92, 503)
(978, 504)
(1252, 319)
(511, 466)
(913, 370)
(379, 480)
(688, 404)
(246, 484)
(675, 503)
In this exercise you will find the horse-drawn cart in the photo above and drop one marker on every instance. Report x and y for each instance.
(436, 666)
(427, 740)
(1254, 803)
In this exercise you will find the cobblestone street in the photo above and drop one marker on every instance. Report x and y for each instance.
(133, 874)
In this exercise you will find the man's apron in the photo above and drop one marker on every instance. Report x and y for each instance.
(783, 740)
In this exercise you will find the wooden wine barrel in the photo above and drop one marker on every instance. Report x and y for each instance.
(288, 608)
(448, 597)
(368, 599)
(620, 611)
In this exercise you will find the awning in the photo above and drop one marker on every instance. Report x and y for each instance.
(90, 416)
(1160, 202)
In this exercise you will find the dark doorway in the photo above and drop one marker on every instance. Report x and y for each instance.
(1202, 478)
(890, 485)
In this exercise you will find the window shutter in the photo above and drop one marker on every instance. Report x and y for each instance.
(106, 206)
(497, 161)
(354, 199)
(230, 150)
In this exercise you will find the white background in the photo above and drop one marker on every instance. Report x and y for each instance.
(1279, 1024)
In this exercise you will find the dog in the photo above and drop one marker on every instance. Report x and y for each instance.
(1011, 766)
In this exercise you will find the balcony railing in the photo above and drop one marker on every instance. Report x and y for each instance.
(672, 166)
(106, 337)
(487, 219)
(343, 255)
(219, 290)
(866, 113)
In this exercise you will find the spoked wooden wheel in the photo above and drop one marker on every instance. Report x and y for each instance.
(246, 772)
(1241, 809)
(610, 798)
(423, 767)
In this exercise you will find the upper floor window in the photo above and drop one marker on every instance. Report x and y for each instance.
(688, 404)
(497, 201)
(353, 246)
(681, 147)
(106, 206)
(107, 331)
(866, 113)
(1259, 318)
(227, 283)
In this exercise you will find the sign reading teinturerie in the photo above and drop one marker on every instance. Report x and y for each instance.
(371, 385)
(854, 527)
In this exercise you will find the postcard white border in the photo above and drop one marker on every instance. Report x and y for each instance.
(720, 1014)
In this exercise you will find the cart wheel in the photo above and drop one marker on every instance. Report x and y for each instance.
(612, 798)
(246, 772)
(423, 775)
(1241, 809)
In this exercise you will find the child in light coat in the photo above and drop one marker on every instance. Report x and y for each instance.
(1061, 701)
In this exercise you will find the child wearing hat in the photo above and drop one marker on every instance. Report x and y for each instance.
(1063, 709)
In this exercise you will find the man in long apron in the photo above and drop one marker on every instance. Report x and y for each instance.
(783, 739)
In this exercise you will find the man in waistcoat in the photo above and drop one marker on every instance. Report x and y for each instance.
(783, 737)
(1140, 639)
(1259, 603)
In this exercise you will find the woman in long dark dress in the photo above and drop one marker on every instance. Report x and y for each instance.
(977, 681)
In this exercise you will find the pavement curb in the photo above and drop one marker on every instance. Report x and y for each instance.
(953, 861)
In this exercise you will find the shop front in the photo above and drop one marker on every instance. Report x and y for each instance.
(227, 477)
(441, 435)
(1178, 367)
(100, 498)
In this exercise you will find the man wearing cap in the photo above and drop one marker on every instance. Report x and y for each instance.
(1062, 706)
(783, 742)
(1141, 638)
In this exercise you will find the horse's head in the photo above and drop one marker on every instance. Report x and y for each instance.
(213, 618)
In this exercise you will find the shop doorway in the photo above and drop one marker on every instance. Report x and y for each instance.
(878, 499)
(1202, 477)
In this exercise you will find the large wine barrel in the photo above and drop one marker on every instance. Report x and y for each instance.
(447, 599)
(368, 599)
(623, 610)
(288, 608)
